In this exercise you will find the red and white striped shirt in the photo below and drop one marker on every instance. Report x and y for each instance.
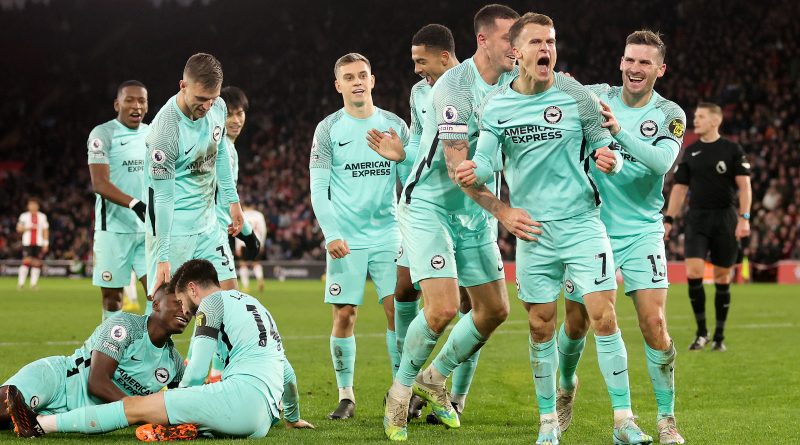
(34, 225)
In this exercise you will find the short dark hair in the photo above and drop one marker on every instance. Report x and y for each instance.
(129, 83)
(649, 38)
(711, 107)
(234, 98)
(435, 36)
(486, 16)
(165, 289)
(202, 272)
(204, 68)
(528, 19)
(349, 58)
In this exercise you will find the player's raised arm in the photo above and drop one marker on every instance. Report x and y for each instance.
(597, 136)
(668, 141)
(320, 172)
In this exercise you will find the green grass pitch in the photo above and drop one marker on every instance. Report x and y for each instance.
(750, 394)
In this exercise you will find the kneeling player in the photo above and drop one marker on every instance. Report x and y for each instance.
(243, 404)
(128, 355)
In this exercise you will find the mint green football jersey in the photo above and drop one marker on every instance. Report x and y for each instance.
(420, 105)
(547, 140)
(362, 183)
(123, 150)
(649, 142)
(247, 337)
(450, 115)
(142, 367)
(182, 172)
(223, 207)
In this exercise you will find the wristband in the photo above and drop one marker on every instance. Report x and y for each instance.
(745, 216)
(133, 202)
(668, 219)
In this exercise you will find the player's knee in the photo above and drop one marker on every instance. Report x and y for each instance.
(604, 322)
(576, 327)
(439, 317)
(653, 326)
(405, 292)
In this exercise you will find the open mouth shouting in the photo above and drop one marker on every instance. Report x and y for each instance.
(543, 65)
(182, 320)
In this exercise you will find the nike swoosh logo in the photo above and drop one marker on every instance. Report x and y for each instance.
(499, 122)
(423, 111)
(658, 281)
(619, 372)
(696, 153)
(547, 398)
(123, 143)
(345, 143)
(596, 281)
(135, 359)
(541, 376)
(187, 151)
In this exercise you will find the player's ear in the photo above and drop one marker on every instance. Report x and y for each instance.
(337, 85)
(156, 304)
(181, 84)
(116, 105)
(621, 61)
(481, 38)
(372, 79)
(661, 70)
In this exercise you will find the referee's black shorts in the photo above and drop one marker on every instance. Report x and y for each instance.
(712, 231)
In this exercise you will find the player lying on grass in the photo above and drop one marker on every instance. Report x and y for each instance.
(128, 355)
(243, 404)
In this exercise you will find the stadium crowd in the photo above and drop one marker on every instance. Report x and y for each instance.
(282, 57)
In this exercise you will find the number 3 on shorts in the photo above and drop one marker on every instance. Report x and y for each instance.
(225, 260)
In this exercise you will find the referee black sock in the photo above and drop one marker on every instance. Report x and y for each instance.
(697, 295)
(722, 302)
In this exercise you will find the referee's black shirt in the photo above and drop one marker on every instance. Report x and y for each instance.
(710, 169)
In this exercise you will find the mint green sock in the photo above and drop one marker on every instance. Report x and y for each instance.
(464, 341)
(110, 314)
(464, 373)
(394, 353)
(613, 360)
(660, 365)
(544, 364)
(569, 354)
(418, 346)
(404, 314)
(343, 353)
(93, 419)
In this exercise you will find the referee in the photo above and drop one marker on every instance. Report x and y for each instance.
(712, 168)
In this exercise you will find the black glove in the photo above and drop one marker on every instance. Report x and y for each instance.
(140, 208)
(251, 245)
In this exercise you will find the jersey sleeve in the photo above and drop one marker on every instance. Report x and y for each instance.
(320, 172)
(488, 146)
(661, 154)
(114, 336)
(682, 171)
(591, 118)
(44, 224)
(291, 394)
(741, 163)
(452, 108)
(162, 152)
(180, 367)
(599, 89)
(223, 166)
(99, 145)
(208, 321)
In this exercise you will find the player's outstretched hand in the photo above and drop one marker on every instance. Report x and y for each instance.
(519, 223)
(163, 275)
(605, 160)
(465, 173)
(338, 249)
(388, 145)
(299, 424)
(611, 121)
(237, 219)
